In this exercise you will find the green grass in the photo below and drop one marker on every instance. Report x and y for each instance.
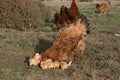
(101, 58)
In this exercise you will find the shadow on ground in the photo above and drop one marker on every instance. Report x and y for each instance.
(42, 45)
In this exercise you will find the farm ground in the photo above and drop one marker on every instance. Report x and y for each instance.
(101, 59)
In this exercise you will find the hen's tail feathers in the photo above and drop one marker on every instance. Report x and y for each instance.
(85, 21)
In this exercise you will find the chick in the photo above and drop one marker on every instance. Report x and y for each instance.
(43, 65)
(56, 64)
(46, 64)
(50, 63)
(65, 65)
(35, 60)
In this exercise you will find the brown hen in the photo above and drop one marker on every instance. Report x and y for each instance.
(70, 43)
(102, 8)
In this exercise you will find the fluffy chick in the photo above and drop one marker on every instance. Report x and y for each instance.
(46, 64)
(35, 60)
(56, 64)
(65, 65)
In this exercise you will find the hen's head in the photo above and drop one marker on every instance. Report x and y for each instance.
(63, 9)
(58, 20)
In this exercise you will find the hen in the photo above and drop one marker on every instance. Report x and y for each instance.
(70, 43)
(102, 8)
(71, 12)
(60, 19)
(67, 15)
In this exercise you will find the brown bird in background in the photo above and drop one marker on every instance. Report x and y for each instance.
(102, 8)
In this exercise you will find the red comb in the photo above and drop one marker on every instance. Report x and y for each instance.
(43, 59)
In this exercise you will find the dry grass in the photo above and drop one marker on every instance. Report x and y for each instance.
(101, 59)
(23, 14)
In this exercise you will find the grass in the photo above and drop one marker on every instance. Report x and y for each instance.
(100, 61)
